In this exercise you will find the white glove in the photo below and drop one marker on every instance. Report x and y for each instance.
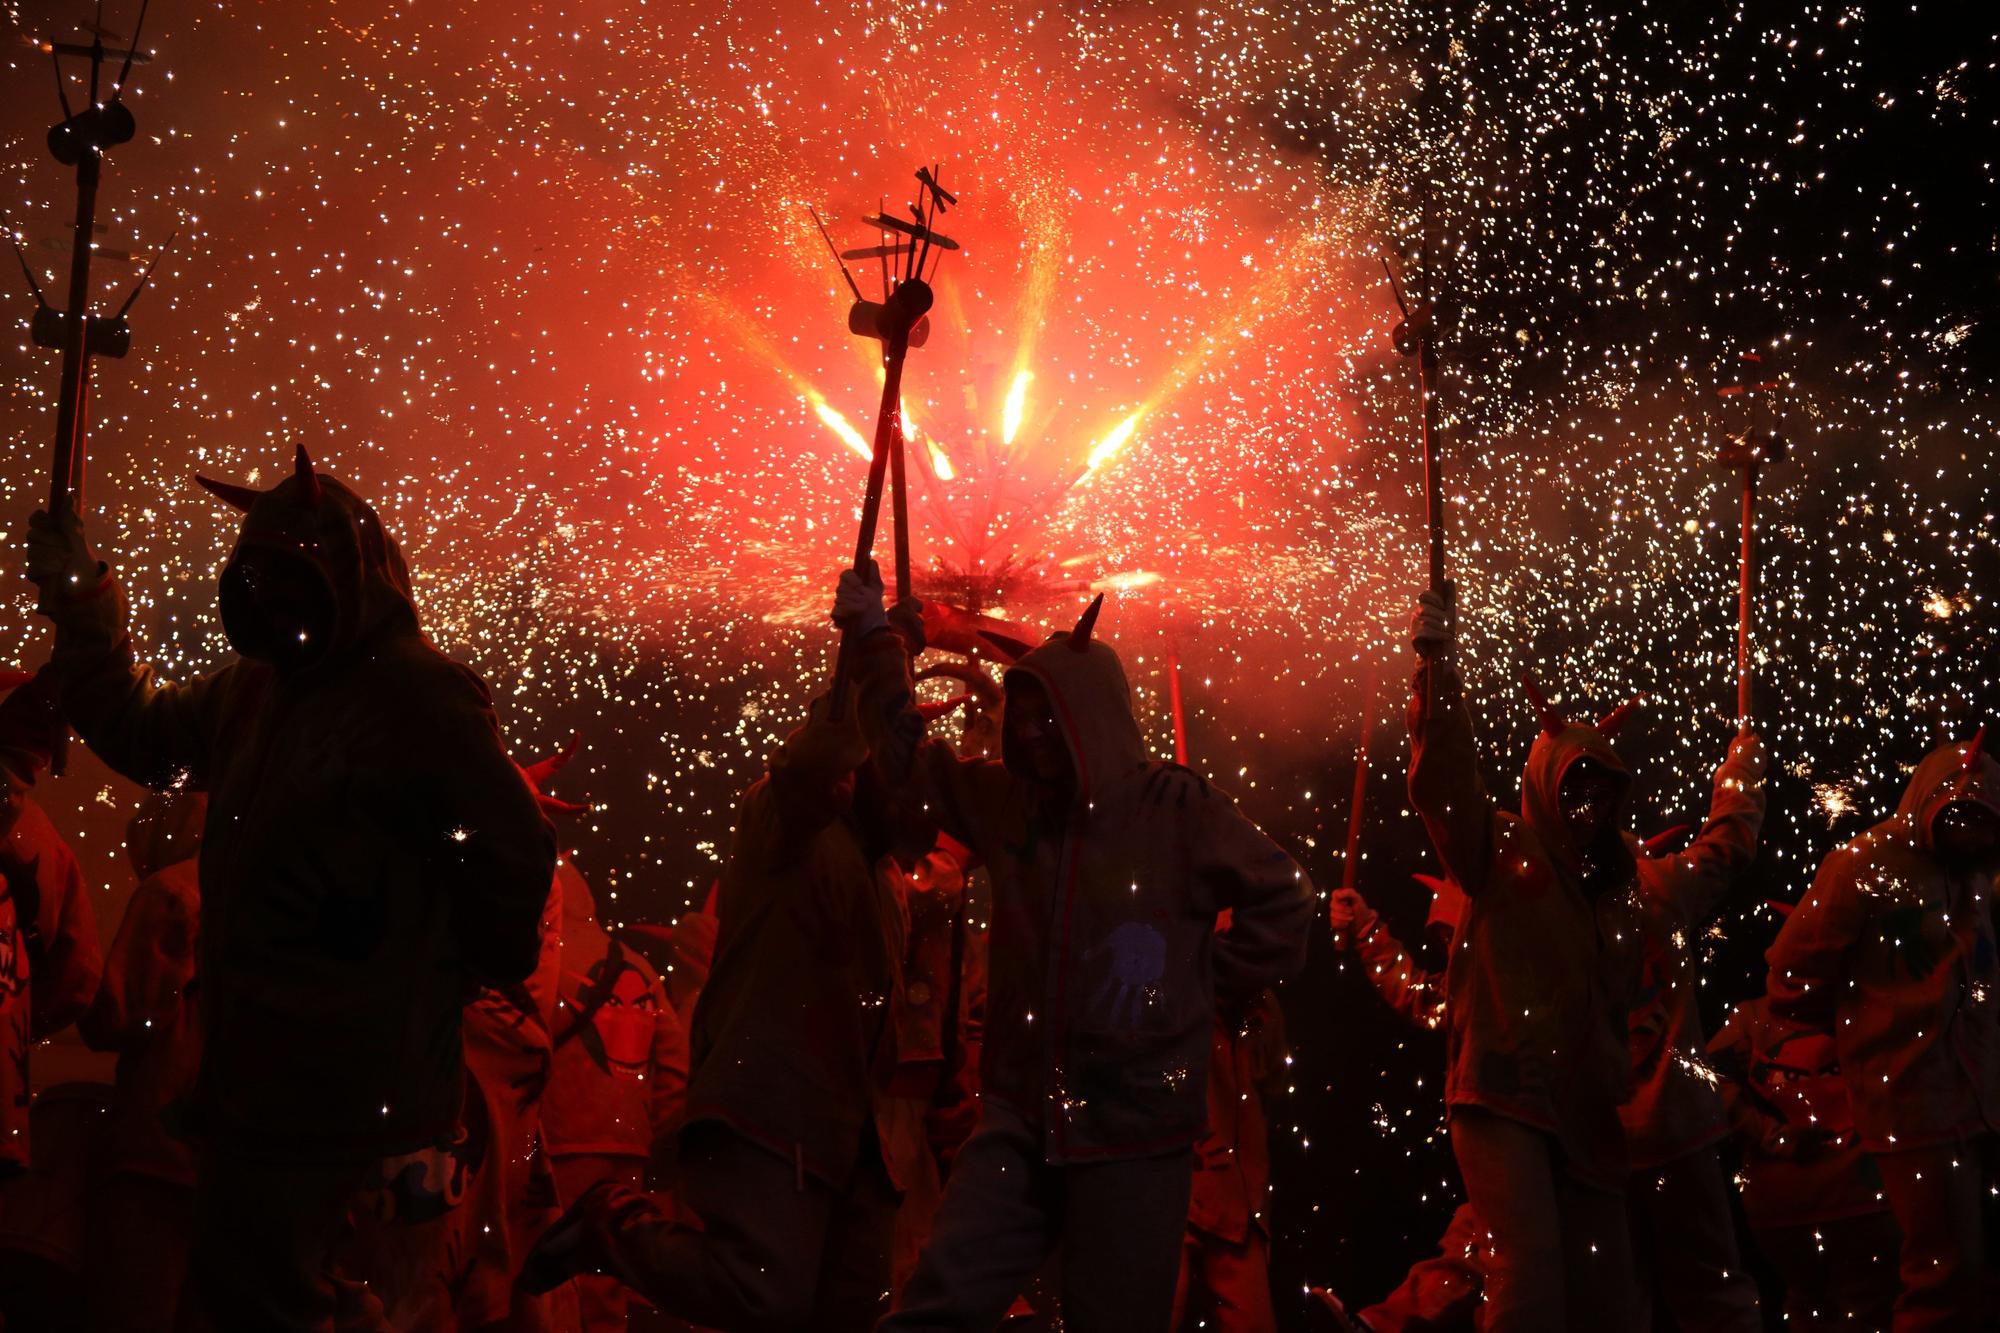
(857, 603)
(1433, 626)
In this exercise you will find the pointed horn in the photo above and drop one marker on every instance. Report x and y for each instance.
(302, 468)
(1552, 721)
(1005, 646)
(1974, 752)
(1781, 907)
(543, 771)
(1079, 638)
(944, 707)
(239, 498)
(1660, 841)
(555, 807)
(1609, 724)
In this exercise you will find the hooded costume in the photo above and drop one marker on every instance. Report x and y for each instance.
(620, 1072)
(49, 957)
(1543, 967)
(370, 855)
(1812, 1197)
(1226, 1255)
(791, 1050)
(143, 1201)
(1893, 949)
(1105, 976)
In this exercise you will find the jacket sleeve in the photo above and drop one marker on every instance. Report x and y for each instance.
(147, 972)
(479, 830)
(1413, 992)
(1808, 960)
(149, 730)
(1445, 786)
(1269, 898)
(1699, 878)
(668, 1094)
(811, 773)
(1729, 1055)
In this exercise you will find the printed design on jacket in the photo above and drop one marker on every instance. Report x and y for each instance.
(13, 977)
(623, 1017)
(1132, 986)
(422, 1185)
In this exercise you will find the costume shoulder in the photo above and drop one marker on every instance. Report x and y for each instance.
(1176, 787)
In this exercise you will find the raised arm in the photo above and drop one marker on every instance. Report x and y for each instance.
(1699, 878)
(151, 731)
(1415, 993)
(1809, 960)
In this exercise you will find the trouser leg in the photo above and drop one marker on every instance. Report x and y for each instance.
(601, 1299)
(1236, 1278)
(1839, 1275)
(1934, 1193)
(1510, 1183)
(1122, 1227)
(1697, 1269)
(993, 1230)
(1601, 1284)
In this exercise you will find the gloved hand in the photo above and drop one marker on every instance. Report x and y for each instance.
(907, 618)
(1434, 624)
(1350, 916)
(59, 559)
(857, 603)
(1748, 749)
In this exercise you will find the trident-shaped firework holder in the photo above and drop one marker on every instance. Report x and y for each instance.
(899, 321)
(80, 141)
(1416, 336)
(1750, 451)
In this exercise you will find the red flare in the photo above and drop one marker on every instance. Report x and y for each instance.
(302, 468)
(1553, 722)
(239, 498)
(1609, 724)
(1079, 638)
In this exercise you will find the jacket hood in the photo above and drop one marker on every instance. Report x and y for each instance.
(165, 830)
(338, 535)
(1092, 700)
(1553, 754)
(579, 904)
(1956, 771)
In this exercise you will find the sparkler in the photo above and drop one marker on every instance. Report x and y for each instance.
(1750, 452)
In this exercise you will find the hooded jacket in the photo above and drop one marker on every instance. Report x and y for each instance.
(1232, 1178)
(370, 853)
(1675, 1108)
(1895, 952)
(621, 1052)
(1543, 966)
(1104, 965)
(1772, 1112)
(145, 1006)
(791, 1043)
(49, 959)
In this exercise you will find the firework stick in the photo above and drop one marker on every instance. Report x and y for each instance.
(1350, 857)
(66, 464)
(886, 434)
(1745, 575)
(901, 503)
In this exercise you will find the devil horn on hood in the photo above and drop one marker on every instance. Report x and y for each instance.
(1005, 646)
(239, 498)
(543, 771)
(1552, 721)
(1079, 638)
(931, 712)
(1609, 724)
(302, 468)
(1781, 907)
(1974, 752)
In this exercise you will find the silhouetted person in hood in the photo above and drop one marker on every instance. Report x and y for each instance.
(370, 856)
(792, 1043)
(1543, 969)
(1105, 971)
(1893, 948)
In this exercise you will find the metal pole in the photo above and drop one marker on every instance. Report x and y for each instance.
(66, 467)
(887, 430)
(1745, 576)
